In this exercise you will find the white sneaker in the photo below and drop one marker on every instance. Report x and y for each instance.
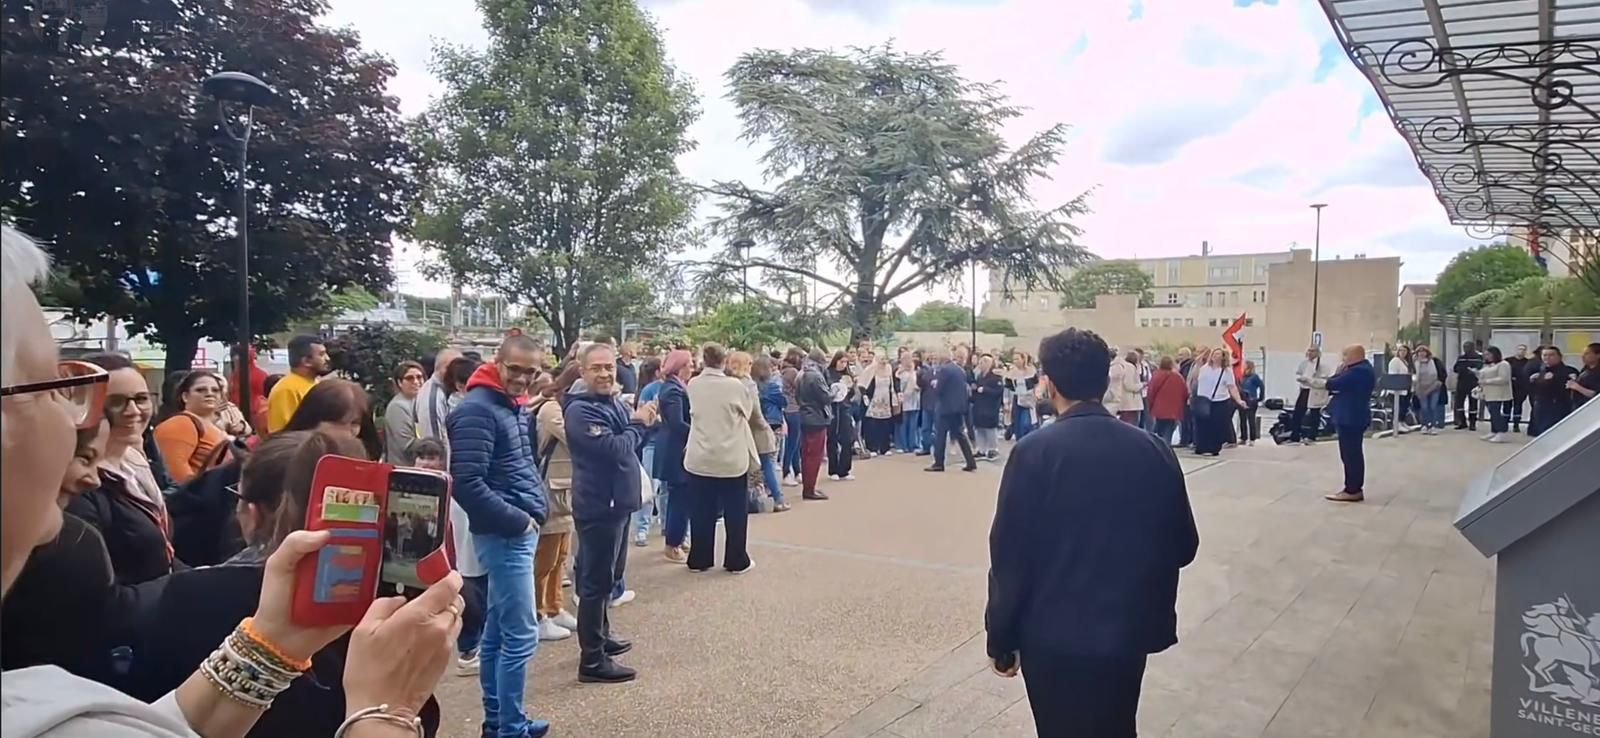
(1486, 436)
(848, 478)
(790, 482)
(549, 631)
(834, 477)
(467, 665)
(565, 620)
(1495, 438)
(624, 598)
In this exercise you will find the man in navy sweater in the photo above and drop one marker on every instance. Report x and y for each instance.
(497, 484)
(605, 441)
(951, 399)
(1350, 408)
(1090, 529)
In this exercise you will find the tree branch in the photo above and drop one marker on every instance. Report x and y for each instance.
(764, 264)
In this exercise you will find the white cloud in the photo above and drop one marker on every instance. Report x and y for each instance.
(1192, 119)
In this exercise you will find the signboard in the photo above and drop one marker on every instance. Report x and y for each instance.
(1316, 339)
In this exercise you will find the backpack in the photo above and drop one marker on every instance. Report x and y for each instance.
(204, 529)
(545, 451)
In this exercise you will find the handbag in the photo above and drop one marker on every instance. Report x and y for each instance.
(1200, 405)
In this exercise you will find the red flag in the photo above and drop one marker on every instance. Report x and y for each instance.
(1230, 338)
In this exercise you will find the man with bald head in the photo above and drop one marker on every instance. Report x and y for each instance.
(1351, 411)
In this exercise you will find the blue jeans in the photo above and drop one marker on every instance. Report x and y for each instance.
(641, 517)
(929, 419)
(769, 471)
(791, 444)
(1021, 421)
(1432, 411)
(908, 434)
(510, 633)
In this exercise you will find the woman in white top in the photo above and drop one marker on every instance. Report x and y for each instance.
(1307, 423)
(396, 655)
(1400, 363)
(1215, 384)
(1494, 381)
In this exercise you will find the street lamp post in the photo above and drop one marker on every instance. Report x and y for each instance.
(1316, 264)
(252, 93)
(974, 324)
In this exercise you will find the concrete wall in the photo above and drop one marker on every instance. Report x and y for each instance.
(1355, 302)
(1414, 302)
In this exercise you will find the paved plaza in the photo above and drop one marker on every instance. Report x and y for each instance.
(1300, 618)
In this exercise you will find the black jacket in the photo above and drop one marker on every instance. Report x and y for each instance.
(673, 436)
(1091, 527)
(197, 611)
(605, 443)
(986, 398)
(1519, 373)
(816, 402)
(1465, 378)
(627, 378)
(133, 529)
(66, 609)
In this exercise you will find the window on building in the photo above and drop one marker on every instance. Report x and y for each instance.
(1044, 303)
(1190, 322)
(1249, 322)
(1174, 273)
(1144, 322)
(1172, 298)
(1213, 323)
(1234, 295)
(1166, 322)
(1223, 274)
(1222, 299)
(1261, 272)
(1209, 299)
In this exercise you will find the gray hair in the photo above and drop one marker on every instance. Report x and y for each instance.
(24, 264)
(586, 351)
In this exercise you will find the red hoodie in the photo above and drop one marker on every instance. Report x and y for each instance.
(488, 375)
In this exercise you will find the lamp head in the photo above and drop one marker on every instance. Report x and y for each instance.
(239, 87)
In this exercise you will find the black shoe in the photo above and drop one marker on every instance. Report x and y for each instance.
(970, 467)
(609, 672)
(618, 646)
(813, 495)
(924, 453)
(934, 468)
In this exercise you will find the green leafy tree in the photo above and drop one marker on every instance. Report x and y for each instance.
(550, 160)
(937, 315)
(1002, 326)
(1483, 268)
(368, 355)
(891, 168)
(748, 325)
(111, 154)
(1107, 278)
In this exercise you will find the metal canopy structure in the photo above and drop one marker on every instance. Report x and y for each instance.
(1499, 100)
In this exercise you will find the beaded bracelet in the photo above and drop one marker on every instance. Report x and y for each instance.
(248, 628)
(380, 713)
(250, 670)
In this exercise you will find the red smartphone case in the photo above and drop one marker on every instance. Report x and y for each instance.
(336, 585)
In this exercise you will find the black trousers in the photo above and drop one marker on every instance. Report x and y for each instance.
(1464, 407)
(1307, 421)
(1249, 425)
(1083, 696)
(841, 442)
(947, 425)
(1519, 397)
(707, 496)
(602, 553)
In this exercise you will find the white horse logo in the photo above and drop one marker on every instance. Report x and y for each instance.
(1566, 647)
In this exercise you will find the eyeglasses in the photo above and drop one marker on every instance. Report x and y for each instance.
(412, 378)
(117, 404)
(81, 386)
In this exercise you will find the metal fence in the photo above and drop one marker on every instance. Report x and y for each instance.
(1569, 333)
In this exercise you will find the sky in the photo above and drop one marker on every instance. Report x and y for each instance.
(1191, 120)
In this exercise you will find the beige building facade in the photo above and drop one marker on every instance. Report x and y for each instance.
(1415, 301)
(1355, 304)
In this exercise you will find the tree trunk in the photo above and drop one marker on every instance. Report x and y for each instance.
(180, 352)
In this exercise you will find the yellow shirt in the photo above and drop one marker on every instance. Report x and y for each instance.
(285, 399)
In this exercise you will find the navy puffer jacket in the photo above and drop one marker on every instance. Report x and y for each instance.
(491, 460)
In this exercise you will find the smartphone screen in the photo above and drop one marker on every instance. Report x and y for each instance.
(413, 527)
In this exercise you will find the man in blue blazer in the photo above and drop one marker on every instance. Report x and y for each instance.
(1351, 411)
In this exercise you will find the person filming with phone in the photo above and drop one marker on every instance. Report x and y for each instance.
(397, 653)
